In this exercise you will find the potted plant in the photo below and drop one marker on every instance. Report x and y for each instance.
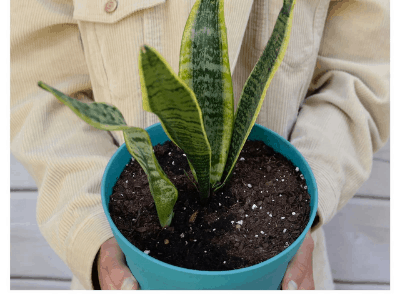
(196, 112)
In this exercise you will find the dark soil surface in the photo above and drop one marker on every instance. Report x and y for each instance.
(262, 210)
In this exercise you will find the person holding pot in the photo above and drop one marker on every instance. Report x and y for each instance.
(329, 98)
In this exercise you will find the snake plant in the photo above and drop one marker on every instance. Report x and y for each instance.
(195, 107)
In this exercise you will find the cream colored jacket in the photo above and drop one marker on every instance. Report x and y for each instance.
(330, 98)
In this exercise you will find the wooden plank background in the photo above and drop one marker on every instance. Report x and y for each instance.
(358, 238)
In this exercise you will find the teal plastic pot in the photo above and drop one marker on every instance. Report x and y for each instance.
(156, 275)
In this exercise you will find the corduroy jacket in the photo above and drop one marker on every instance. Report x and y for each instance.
(329, 98)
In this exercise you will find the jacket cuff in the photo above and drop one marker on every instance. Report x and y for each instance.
(87, 241)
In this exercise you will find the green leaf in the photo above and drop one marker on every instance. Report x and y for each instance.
(163, 191)
(100, 115)
(106, 117)
(166, 95)
(204, 67)
(257, 84)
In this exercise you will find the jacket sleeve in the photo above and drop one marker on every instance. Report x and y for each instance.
(345, 117)
(65, 156)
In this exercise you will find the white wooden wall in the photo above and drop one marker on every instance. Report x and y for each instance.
(357, 238)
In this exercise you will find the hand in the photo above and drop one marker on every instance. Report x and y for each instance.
(114, 274)
(299, 274)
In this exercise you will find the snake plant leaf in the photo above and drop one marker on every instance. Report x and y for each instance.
(167, 96)
(107, 117)
(256, 86)
(99, 115)
(204, 67)
(163, 191)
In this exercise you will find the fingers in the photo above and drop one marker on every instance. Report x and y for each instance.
(114, 274)
(299, 274)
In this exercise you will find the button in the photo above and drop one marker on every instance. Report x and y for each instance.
(111, 6)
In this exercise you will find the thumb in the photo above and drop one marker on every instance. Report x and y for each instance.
(299, 274)
(113, 272)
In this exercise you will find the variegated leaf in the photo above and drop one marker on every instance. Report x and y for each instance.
(166, 95)
(255, 88)
(163, 191)
(100, 115)
(106, 117)
(204, 66)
